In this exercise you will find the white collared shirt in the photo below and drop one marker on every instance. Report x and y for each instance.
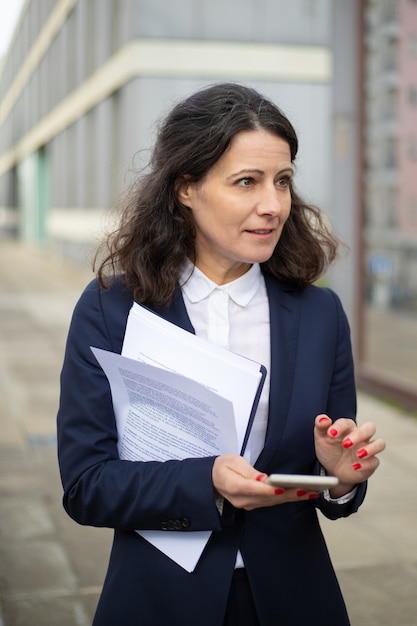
(227, 315)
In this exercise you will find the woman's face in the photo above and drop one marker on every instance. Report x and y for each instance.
(241, 205)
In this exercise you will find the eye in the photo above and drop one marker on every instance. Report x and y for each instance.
(284, 182)
(245, 182)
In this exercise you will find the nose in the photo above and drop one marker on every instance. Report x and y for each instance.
(270, 201)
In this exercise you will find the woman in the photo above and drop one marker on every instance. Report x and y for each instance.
(215, 239)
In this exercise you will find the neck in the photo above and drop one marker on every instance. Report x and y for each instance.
(222, 276)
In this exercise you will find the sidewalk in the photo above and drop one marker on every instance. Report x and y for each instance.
(51, 569)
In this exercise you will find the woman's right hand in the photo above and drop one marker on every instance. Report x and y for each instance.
(244, 487)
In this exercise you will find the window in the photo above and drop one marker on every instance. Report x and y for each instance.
(412, 44)
(390, 105)
(412, 148)
(412, 210)
(412, 94)
(390, 154)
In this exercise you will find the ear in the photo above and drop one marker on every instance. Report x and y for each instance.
(184, 189)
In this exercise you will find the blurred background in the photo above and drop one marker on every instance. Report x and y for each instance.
(84, 82)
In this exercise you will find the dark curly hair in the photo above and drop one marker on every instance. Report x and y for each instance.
(156, 232)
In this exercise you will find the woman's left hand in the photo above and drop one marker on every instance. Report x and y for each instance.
(347, 451)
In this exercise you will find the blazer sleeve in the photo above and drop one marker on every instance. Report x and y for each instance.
(341, 402)
(99, 488)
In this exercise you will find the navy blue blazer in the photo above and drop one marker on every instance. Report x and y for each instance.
(290, 573)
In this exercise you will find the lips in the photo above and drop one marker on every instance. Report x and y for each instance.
(261, 231)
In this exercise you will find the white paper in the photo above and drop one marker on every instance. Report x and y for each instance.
(162, 415)
(183, 548)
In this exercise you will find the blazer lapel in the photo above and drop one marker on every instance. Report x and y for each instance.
(176, 313)
(285, 311)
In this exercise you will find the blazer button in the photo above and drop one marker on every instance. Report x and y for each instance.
(175, 524)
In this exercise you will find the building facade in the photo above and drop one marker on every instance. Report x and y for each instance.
(85, 82)
(389, 350)
(391, 144)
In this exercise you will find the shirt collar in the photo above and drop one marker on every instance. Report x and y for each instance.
(197, 286)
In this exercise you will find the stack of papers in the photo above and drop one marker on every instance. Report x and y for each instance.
(177, 396)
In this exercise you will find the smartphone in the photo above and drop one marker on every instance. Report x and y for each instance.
(300, 481)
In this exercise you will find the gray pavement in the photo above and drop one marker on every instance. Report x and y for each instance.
(51, 569)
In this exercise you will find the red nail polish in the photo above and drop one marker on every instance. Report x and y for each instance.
(362, 453)
(278, 491)
(333, 432)
(260, 477)
(301, 492)
(324, 419)
(347, 443)
(356, 466)
(313, 496)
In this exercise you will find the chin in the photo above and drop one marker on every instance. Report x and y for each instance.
(261, 258)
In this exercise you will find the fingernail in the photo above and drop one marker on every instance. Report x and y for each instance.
(260, 477)
(278, 491)
(324, 419)
(313, 496)
(301, 492)
(356, 466)
(362, 453)
(348, 443)
(333, 432)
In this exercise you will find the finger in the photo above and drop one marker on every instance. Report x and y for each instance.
(322, 422)
(361, 435)
(364, 468)
(278, 496)
(235, 477)
(295, 494)
(254, 494)
(341, 428)
(371, 449)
